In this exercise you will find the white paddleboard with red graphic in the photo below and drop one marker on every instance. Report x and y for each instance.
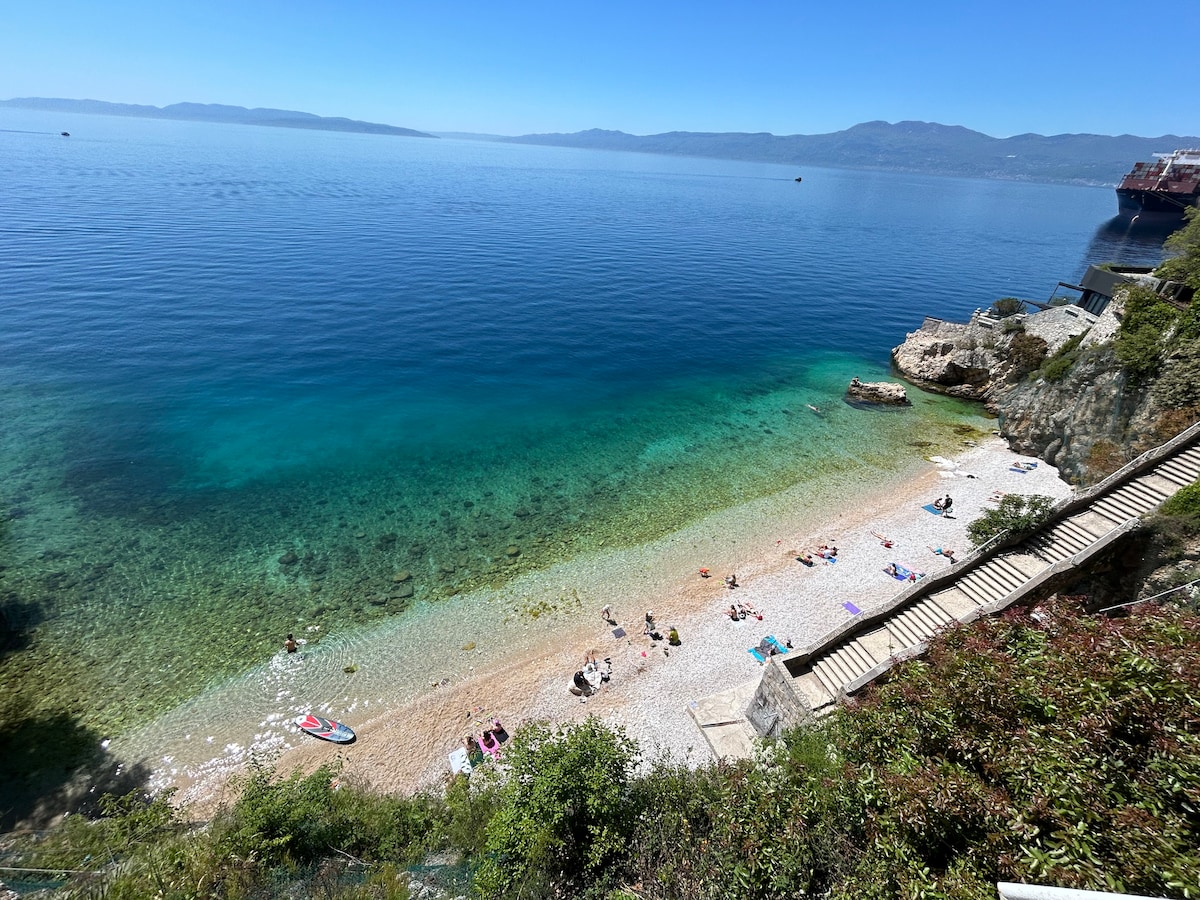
(325, 729)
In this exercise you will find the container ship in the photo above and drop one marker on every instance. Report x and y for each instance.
(1162, 189)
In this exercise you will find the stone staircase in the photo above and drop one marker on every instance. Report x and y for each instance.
(989, 580)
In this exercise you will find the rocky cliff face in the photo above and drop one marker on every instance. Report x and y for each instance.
(1087, 423)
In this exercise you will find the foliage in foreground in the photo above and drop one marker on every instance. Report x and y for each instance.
(1015, 514)
(1047, 747)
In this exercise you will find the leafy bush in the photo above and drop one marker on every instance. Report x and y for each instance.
(1007, 306)
(1184, 502)
(1063, 360)
(565, 817)
(1053, 748)
(1146, 327)
(1026, 352)
(1185, 244)
(1016, 513)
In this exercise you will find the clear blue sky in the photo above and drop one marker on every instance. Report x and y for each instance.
(516, 66)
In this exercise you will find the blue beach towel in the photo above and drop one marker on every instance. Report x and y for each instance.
(753, 652)
(782, 648)
(931, 508)
(1015, 469)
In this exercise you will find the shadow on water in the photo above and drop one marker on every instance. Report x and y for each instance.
(52, 765)
(1126, 242)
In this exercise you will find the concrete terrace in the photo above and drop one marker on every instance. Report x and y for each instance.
(811, 681)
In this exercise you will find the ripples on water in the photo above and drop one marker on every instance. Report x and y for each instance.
(251, 375)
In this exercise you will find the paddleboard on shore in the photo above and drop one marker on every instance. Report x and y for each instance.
(325, 729)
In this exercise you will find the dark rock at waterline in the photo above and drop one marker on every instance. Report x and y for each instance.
(403, 591)
(289, 559)
(402, 576)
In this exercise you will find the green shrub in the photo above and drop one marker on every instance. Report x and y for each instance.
(1007, 306)
(1184, 502)
(1146, 328)
(1026, 352)
(1016, 513)
(565, 817)
(1063, 360)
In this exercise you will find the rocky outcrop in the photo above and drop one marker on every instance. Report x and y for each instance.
(976, 360)
(1088, 422)
(887, 393)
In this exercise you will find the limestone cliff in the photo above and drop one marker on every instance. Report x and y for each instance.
(1087, 418)
(982, 358)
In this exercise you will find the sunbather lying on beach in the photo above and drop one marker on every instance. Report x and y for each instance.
(883, 539)
(807, 559)
(750, 610)
(943, 551)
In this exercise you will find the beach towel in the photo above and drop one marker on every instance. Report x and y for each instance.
(931, 508)
(781, 648)
(618, 632)
(851, 608)
(903, 573)
(753, 651)
(1015, 469)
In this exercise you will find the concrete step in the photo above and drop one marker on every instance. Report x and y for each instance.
(997, 582)
(1074, 534)
(852, 661)
(955, 602)
(932, 616)
(1088, 533)
(1028, 565)
(978, 595)
(1011, 572)
(877, 644)
(918, 626)
(930, 607)
(904, 635)
(1148, 485)
(1177, 472)
(869, 659)
(1190, 456)
(831, 683)
(1117, 509)
(811, 689)
(1047, 548)
(1138, 495)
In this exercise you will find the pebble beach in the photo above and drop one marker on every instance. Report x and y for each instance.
(404, 746)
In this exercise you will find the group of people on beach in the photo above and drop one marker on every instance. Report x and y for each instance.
(739, 611)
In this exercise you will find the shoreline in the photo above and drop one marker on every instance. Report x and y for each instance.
(418, 714)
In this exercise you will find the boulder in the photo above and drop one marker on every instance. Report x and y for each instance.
(883, 392)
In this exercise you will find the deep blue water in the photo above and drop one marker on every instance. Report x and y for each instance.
(219, 344)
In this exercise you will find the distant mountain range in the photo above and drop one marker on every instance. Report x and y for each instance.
(212, 112)
(925, 147)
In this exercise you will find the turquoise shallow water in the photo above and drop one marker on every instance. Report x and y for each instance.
(257, 380)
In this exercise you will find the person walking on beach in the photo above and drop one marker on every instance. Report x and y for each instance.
(731, 581)
(606, 613)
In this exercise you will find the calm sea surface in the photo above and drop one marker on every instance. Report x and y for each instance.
(259, 379)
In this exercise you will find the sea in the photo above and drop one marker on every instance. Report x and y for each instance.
(256, 381)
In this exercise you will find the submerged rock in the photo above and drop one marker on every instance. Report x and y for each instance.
(289, 559)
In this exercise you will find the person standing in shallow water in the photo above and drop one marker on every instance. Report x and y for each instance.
(290, 644)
